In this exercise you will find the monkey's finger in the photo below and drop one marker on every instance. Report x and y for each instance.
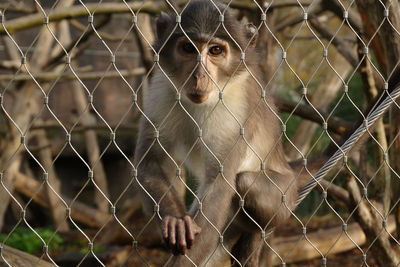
(180, 229)
(165, 224)
(189, 231)
(171, 232)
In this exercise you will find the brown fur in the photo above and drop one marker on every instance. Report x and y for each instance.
(179, 144)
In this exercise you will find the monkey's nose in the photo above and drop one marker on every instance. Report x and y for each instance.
(197, 75)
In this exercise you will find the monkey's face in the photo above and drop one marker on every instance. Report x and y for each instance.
(201, 56)
(201, 68)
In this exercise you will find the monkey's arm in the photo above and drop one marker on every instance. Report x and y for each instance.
(178, 229)
(160, 187)
(263, 195)
(211, 217)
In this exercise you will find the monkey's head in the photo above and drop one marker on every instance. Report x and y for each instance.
(202, 54)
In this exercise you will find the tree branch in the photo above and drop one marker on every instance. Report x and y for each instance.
(78, 41)
(335, 7)
(79, 211)
(341, 46)
(50, 76)
(317, 9)
(76, 11)
(335, 124)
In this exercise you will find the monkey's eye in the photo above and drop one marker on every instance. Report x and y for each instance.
(188, 48)
(215, 50)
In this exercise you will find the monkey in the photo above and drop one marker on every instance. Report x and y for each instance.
(207, 111)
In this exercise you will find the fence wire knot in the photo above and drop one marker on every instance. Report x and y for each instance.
(45, 177)
(364, 192)
(112, 210)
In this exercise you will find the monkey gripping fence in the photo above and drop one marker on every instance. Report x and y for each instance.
(25, 112)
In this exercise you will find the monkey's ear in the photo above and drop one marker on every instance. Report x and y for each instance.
(252, 34)
(163, 22)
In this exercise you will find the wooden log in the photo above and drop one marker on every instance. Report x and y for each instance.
(293, 250)
(92, 145)
(53, 183)
(17, 258)
(113, 232)
(79, 211)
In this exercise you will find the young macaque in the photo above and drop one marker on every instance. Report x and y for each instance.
(206, 111)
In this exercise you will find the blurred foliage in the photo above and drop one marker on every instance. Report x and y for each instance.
(23, 238)
(346, 109)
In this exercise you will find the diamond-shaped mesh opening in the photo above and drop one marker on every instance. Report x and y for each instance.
(107, 139)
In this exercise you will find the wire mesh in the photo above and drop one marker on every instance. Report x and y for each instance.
(73, 75)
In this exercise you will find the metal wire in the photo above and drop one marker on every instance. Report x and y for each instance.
(345, 148)
(27, 67)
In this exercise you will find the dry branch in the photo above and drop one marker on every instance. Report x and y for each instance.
(50, 76)
(323, 240)
(336, 8)
(381, 179)
(394, 153)
(103, 35)
(18, 7)
(342, 47)
(53, 124)
(338, 193)
(386, 48)
(289, 3)
(79, 42)
(150, 7)
(55, 204)
(80, 212)
(92, 145)
(371, 224)
(335, 124)
(315, 10)
(112, 231)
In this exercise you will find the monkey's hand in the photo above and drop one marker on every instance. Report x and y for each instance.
(179, 233)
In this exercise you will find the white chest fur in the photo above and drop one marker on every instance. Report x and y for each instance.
(193, 132)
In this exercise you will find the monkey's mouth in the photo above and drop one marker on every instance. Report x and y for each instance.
(197, 98)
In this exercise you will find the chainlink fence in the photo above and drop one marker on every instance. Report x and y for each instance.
(72, 75)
